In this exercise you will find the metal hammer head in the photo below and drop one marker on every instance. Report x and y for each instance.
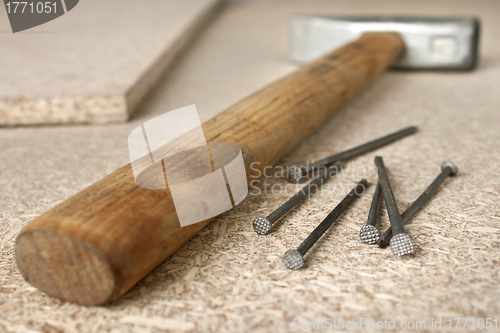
(448, 43)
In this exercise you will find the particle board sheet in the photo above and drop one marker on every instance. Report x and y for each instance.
(95, 63)
(229, 279)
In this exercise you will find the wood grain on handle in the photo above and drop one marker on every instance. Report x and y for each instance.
(93, 247)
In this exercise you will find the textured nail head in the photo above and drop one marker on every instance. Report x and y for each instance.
(452, 166)
(294, 173)
(402, 244)
(369, 234)
(261, 225)
(293, 259)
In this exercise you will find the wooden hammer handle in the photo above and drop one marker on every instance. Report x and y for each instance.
(93, 247)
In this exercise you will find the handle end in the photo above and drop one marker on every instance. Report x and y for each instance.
(65, 268)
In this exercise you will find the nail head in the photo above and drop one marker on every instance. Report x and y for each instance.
(402, 244)
(369, 234)
(452, 166)
(293, 259)
(294, 173)
(261, 225)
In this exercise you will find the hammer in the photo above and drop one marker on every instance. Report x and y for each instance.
(92, 248)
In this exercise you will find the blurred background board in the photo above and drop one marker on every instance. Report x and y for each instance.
(95, 63)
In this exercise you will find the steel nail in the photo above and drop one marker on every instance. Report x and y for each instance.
(262, 225)
(401, 243)
(447, 169)
(369, 234)
(294, 259)
(297, 173)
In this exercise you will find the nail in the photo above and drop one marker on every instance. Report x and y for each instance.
(294, 259)
(369, 234)
(401, 243)
(262, 225)
(296, 173)
(447, 169)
